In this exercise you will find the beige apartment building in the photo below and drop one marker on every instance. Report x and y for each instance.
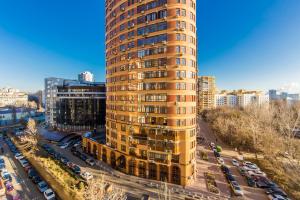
(151, 72)
(206, 92)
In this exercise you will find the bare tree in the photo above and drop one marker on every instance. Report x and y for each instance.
(287, 119)
(164, 192)
(31, 136)
(99, 189)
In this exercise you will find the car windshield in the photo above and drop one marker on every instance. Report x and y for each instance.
(49, 193)
(43, 184)
(237, 188)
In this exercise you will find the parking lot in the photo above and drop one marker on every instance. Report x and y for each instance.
(257, 186)
(24, 188)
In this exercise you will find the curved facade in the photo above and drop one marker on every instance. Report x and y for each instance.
(151, 89)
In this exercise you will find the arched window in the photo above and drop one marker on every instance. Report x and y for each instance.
(122, 162)
(132, 164)
(104, 156)
(113, 159)
(163, 173)
(176, 175)
(142, 169)
(152, 171)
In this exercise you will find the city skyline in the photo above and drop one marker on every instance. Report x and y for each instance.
(255, 43)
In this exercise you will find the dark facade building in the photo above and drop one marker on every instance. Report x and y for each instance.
(80, 106)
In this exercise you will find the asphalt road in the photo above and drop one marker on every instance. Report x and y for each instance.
(129, 185)
(23, 186)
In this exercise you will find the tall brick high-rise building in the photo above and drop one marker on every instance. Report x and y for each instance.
(206, 92)
(151, 69)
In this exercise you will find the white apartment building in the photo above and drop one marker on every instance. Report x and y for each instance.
(86, 77)
(51, 85)
(240, 98)
(12, 97)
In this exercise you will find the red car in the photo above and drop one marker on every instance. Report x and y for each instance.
(17, 197)
(27, 168)
(9, 187)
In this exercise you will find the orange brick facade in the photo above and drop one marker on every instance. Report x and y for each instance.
(151, 72)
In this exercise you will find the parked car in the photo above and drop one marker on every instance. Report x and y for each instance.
(36, 179)
(76, 153)
(242, 171)
(64, 160)
(2, 160)
(73, 149)
(2, 166)
(86, 176)
(250, 181)
(64, 146)
(32, 173)
(217, 154)
(9, 187)
(24, 162)
(49, 194)
(276, 191)
(220, 160)
(263, 182)
(276, 197)
(230, 177)
(77, 144)
(76, 169)
(27, 168)
(90, 161)
(256, 173)
(42, 186)
(83, 157)
(225, 169)
(19, 156)
(235, 162)
(236, 188)
(6, 176)
(250, 166)
(16, 197)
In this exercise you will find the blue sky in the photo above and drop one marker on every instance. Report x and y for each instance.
(252, 44)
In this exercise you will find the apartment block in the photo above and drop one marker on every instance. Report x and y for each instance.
(151, 90)
(206, 92)
(51, 85)
(240, 98)
(80, 106)
(13, 97)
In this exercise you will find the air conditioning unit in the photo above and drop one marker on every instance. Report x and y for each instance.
(164, 42)
(142, 11)
(147, 22)
(123, 9)
(165, 18)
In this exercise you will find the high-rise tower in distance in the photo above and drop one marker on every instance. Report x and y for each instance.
(151, 69)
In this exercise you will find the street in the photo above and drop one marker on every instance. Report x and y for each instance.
(138, 186)
(23, 186)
